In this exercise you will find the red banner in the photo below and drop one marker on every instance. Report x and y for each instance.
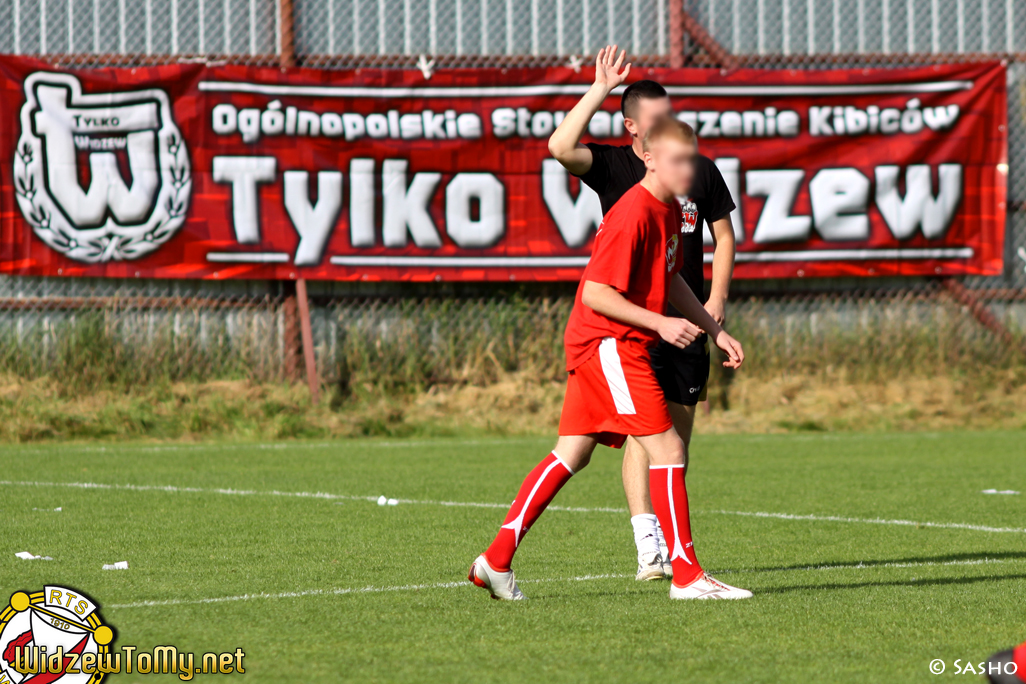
(188, 171)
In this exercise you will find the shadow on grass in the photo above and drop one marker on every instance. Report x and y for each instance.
(940, 581)
(952, 558)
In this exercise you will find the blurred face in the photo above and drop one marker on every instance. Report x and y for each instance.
(673, 163)
(646, 113)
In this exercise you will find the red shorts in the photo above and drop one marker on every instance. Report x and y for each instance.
(614, 394)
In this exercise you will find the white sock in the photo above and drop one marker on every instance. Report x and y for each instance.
(664, 550)
(646, 533)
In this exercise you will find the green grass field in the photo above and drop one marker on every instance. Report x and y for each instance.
(336, 588)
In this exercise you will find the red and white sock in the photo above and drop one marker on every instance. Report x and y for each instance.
(670, 501)
(538, 490)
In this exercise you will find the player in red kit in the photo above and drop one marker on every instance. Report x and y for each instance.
(612, 391)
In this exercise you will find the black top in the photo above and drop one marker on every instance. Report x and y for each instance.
(616, 169)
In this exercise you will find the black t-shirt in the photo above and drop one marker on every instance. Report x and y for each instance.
(616, 169)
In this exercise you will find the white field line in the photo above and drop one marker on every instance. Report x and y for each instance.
(475, 504)
(342, 591)
(299, 495)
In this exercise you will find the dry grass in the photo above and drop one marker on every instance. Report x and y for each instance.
(515, 403)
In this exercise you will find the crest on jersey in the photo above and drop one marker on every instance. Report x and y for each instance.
(45, 635)
(689, 216)
(671, 252)
(63, 128)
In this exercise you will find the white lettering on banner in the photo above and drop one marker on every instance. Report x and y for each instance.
(919, 207)
(730, 169)
(757, 123)
(475, 204)
(253, 123)
(839, 201)
(849, 120)
(574, 218)
(779, 187)
(313, 223)
(406, 208)
(244, 174)
(490, 195)
(523, 123)
(361, 203)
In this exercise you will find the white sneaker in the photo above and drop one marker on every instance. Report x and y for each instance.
(651, 567)
(501, 585)
(706, 587)
(664, 551)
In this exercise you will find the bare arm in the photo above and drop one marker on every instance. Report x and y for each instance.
(565, 143)
(605, 300)
(722, 267)
(685, 301)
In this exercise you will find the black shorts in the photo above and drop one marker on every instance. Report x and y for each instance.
(682, 373)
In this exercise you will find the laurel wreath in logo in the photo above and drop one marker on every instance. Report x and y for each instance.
(111, 241)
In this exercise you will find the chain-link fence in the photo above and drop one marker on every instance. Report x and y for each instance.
(394, 334)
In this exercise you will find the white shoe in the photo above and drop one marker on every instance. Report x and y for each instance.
(706, 587)
(664, 552)
(501, 585)
(651, 567)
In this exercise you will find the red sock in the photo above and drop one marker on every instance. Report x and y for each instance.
(670, 501)
(539, 488)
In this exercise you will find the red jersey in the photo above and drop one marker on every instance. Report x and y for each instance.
(637, 251)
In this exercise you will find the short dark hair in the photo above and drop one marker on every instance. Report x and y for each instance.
(639, 90)
(669, 128)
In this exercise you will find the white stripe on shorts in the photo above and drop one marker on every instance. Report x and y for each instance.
(613, 371)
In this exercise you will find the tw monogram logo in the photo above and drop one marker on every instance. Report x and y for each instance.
(689, 216)
(111, 219)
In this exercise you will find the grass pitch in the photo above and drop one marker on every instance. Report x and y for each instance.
(829, 531)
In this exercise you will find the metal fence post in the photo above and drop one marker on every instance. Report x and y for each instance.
(308, 345)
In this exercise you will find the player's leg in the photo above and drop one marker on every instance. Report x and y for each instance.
(684, 383)
(670, 501)
(491, 570)
(683, 417)
(651, 565)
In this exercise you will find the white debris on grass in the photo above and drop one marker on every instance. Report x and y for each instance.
(999, 491)
(385, 501)
(25, 555)
(120, 565)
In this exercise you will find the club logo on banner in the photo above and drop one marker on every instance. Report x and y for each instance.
(112, 219)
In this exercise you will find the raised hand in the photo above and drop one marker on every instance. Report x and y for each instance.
(607, 68)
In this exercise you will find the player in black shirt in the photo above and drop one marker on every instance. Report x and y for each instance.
(610, 171)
